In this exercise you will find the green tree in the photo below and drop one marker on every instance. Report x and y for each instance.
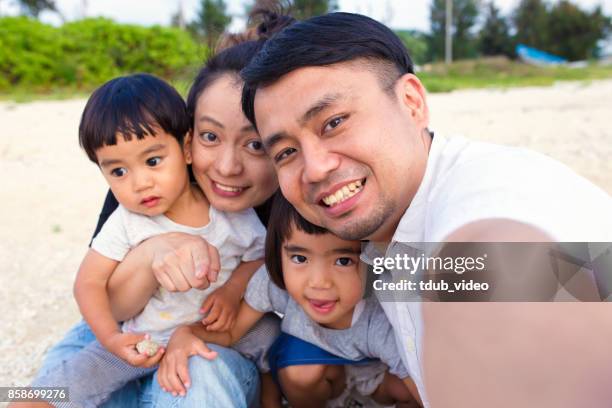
(416, 43)
(494, 38)
(465, 14)
(574, 33)
(33, 8)
(531, 23)
(303, 9)
(211, 21)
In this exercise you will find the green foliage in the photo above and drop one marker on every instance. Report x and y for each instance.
(89, 52)
(211, 20)
(494, 36)
(562, 29)
(465, 15)
(303, 9)
(416, 43)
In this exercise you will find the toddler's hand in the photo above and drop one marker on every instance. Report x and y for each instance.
(173, 372)
(123, 345)
(221, 308)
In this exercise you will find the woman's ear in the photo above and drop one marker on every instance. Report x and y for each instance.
(187, 147)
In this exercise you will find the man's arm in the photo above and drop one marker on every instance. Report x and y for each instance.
(515, 354)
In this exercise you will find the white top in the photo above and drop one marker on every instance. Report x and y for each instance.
(466, 181)
(239, 237)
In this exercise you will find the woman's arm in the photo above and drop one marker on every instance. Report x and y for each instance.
(175, 261)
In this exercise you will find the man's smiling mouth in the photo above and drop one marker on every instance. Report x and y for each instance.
(343, 193)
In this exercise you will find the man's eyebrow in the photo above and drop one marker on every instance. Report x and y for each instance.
(215, 122)
(295, 248)
(325, 102)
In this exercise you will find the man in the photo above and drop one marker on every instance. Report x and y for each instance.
(345, 121)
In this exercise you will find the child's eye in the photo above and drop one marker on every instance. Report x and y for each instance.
(298, 259)
(119, 172)
(208, 137)
(344, 261)
(153, 161)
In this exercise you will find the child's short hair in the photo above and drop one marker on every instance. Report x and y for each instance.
(131, 105)
(284, 219)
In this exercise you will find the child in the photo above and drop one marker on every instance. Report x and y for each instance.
(316, 283)
(133, 129)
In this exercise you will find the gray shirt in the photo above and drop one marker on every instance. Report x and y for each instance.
(370, 335)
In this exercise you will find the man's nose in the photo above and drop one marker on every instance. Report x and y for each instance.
(319, 162)
(228, 163)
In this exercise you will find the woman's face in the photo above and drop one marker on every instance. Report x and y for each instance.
(228, 159)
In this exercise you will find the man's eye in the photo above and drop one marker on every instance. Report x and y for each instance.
(298, 259)
(334, 123)
(119, 172)
(255, 145)
(153, 161)
(208, 137)
(344, 261)
(284, 154)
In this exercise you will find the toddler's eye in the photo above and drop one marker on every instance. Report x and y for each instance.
(344, 261)
(298, 259)
(208, 137)
(119, 172)
(153, 161)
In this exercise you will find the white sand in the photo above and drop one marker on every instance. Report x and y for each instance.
(51, 194)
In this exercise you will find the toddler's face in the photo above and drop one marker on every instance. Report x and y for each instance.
(146, 176)
(322, 274)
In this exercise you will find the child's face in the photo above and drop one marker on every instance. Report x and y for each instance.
(322, 274)
(146, 176)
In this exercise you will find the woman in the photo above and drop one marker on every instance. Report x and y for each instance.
(230, 166)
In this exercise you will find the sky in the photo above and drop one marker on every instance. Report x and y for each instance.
(397, 14)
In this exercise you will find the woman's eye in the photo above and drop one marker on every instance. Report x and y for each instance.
(298, 259)
(284, 154)
(153, 161)
(208, 137)
(255, 145)
(344, 261)
(119, 172)
(334, 123)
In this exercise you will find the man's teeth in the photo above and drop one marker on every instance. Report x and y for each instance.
(343, 193)
(228, 188)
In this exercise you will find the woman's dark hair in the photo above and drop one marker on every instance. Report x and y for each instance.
(237, 50)
(284, 220)
(131, 106)
(326, 40)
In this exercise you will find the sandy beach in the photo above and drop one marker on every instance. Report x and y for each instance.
(51, 194)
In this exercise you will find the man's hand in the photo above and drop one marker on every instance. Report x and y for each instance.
(123, 345)
(221, 308)
(183, 261)
(173, 372)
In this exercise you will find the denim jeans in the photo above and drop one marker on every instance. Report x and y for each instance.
(230, 380)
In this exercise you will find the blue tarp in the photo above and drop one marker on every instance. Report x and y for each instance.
(537, 57)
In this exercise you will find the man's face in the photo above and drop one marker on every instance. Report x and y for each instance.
(349, 156)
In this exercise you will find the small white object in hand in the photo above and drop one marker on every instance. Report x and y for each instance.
(148, 347)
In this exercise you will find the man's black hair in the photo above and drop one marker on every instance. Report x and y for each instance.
(131, 106)
(325, 40)
(284, 220)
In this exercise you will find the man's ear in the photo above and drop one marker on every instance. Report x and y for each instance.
(187, 140)
(413, 97)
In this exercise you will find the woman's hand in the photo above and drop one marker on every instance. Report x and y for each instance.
(183, 261)
(173, 372)
(221, 308)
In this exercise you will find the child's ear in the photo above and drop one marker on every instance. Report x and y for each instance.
(187, 147)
